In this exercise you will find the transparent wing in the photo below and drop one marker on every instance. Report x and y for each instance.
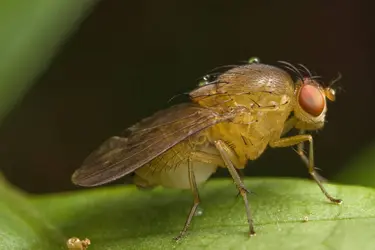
(121, 155)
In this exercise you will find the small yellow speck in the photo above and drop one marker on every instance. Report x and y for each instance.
(75, 243)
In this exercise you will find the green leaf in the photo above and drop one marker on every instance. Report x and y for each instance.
(22, 226)
(360, 170)
(126, 218)
(31, 33)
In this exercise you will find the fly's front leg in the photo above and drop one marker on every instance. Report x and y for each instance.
(289, 124)
(228, 158)
(302, 154)
(301, 150)
(194, 189)
(298, 139)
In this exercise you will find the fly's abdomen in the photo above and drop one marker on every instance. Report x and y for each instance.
(171, 169)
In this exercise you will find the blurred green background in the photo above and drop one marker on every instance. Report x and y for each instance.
(128, 58)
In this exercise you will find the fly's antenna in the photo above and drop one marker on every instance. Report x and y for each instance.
(338, 78)
(292, 68)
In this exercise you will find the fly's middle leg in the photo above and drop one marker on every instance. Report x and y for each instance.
(297, 140)
(228, 158)
(225, 159)
(217, 160)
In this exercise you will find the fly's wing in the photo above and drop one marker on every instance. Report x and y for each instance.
(121, 155)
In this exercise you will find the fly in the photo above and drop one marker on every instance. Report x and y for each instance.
(229, 121)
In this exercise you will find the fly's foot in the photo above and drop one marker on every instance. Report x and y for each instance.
(336, 201)
(179, 237)
(333, 200)
(251, 229)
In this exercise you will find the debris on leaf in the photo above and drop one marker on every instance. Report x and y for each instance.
(305, 219)
(75, 243)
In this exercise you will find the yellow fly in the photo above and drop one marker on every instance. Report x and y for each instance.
(231, 119)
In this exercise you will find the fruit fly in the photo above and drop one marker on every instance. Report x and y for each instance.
(231, 119)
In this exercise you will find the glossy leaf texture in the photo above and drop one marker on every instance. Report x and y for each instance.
(288, 214)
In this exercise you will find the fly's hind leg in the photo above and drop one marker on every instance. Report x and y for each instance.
(297, 140)
(194, 189)
(228, 157)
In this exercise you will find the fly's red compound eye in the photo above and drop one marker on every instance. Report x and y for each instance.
(311, 100)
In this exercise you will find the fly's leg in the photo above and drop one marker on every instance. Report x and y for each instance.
(214, 159)
(301, 150)
(194, 189)
(204, 157)
(241, 175)
(297, 140)
(289, 124)
(301, 153)
(227, 155)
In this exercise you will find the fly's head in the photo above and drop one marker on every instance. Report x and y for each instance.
(311, 103)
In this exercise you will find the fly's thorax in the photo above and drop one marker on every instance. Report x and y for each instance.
(242, 81)
(249, 134)
(261, 120)
(265, 111)
(254, 78)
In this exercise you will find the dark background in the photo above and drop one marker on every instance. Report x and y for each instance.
(130, 57)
